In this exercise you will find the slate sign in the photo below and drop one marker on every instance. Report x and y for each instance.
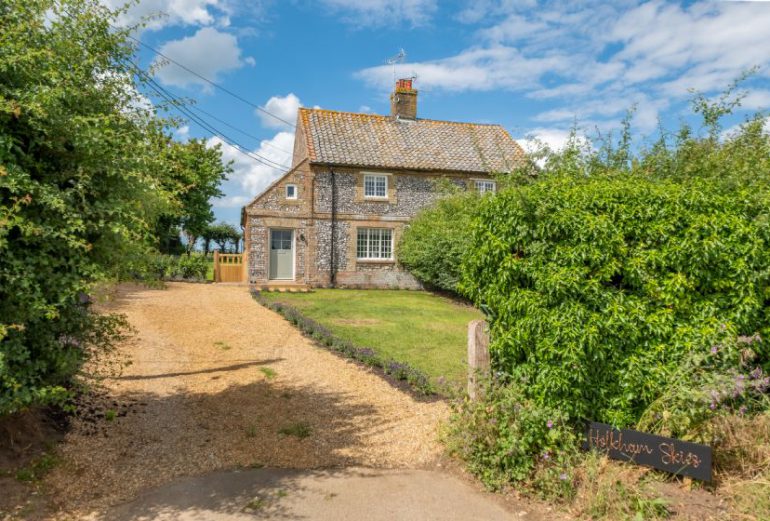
(675, 456)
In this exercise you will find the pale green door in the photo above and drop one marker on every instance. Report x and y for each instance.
(282, 254)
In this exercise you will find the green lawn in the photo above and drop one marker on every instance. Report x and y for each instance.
(425, 330)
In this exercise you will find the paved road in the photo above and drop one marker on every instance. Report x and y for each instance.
(340, 495)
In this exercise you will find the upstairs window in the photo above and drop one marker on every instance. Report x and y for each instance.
(484, 186)
(376, 186)
(291, 191)
(374, 244)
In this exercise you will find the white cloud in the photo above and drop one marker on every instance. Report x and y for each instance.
(250, 177)
(475, 69)
(182, 133)
(284, 108)
(756, 100)
(596, 59)
(234, 201)
(208, 52)
(381, 12)
(163, 13)
(554, 138)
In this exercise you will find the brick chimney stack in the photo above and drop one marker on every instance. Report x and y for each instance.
(403, 101)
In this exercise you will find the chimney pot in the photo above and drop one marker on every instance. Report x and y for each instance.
(403, 101)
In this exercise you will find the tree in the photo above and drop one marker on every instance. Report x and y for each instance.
(193, 174)
(82, 186)
(223, 233)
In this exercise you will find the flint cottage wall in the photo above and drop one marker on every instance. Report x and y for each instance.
(311, 218)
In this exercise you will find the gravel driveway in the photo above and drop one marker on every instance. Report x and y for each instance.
(217, 382)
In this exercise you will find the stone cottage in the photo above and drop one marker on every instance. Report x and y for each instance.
(334, 219)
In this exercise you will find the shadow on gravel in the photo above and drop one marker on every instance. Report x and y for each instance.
(156, 439)
(232, 367)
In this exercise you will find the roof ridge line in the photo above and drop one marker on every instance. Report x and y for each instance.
(381, 116)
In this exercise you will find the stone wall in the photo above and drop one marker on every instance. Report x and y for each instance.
(259, 246)
(412, 193)
(310, 217)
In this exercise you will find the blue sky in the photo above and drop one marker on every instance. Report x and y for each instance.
(534, 67)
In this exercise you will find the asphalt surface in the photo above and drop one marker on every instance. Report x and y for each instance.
(329, 495)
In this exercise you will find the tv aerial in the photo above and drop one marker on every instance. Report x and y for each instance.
(393, 60)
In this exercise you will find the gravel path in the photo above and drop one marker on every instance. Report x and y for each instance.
(216, 382)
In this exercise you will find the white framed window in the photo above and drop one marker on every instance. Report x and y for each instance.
(291, 191)
(375, 186)
(374, 244)
(484, 186)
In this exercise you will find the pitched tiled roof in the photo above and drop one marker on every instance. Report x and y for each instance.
(368, 140)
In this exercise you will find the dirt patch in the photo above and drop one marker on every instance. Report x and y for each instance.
(185, 406)
(26, 441)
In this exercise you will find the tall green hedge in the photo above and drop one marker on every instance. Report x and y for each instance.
(598, 288)
(433, 244)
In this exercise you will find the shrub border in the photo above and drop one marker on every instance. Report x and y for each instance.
(417, 381)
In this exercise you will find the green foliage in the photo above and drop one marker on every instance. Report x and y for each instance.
(193, 267)
(82, 187)
(507, 437)
(598, 288)
(38, 468)
(724, 380)
(299, 430)
(433, 245)
(152, 268)
(192, 173)
(223, 234)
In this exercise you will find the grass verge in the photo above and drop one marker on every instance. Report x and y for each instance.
(397, 369)
(420, 329)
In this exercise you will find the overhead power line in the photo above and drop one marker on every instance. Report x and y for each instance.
(262, 141)
(185, 111)
(212, 83)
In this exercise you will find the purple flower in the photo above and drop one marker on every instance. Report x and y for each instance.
(714, 350)
(712, 406)
(546, 455)
(742, 410)
(549, 424)
(756, 374)
(563, 476)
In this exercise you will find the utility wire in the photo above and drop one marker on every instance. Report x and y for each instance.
(184, 110)
(210, 82)
(196, 108)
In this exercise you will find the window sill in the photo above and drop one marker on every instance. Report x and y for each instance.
(376, 261)
(376, 198)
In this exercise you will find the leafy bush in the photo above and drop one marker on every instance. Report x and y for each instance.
(724, 380)
(507, 437)
(193, 267)
(433, 245)
(87, 174)
(599, 288)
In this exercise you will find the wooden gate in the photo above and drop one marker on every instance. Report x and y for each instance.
(229, 267)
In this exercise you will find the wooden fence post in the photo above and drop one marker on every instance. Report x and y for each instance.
(478, 357)
(216, 265)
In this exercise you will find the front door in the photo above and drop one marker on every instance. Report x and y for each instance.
(282, 254)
